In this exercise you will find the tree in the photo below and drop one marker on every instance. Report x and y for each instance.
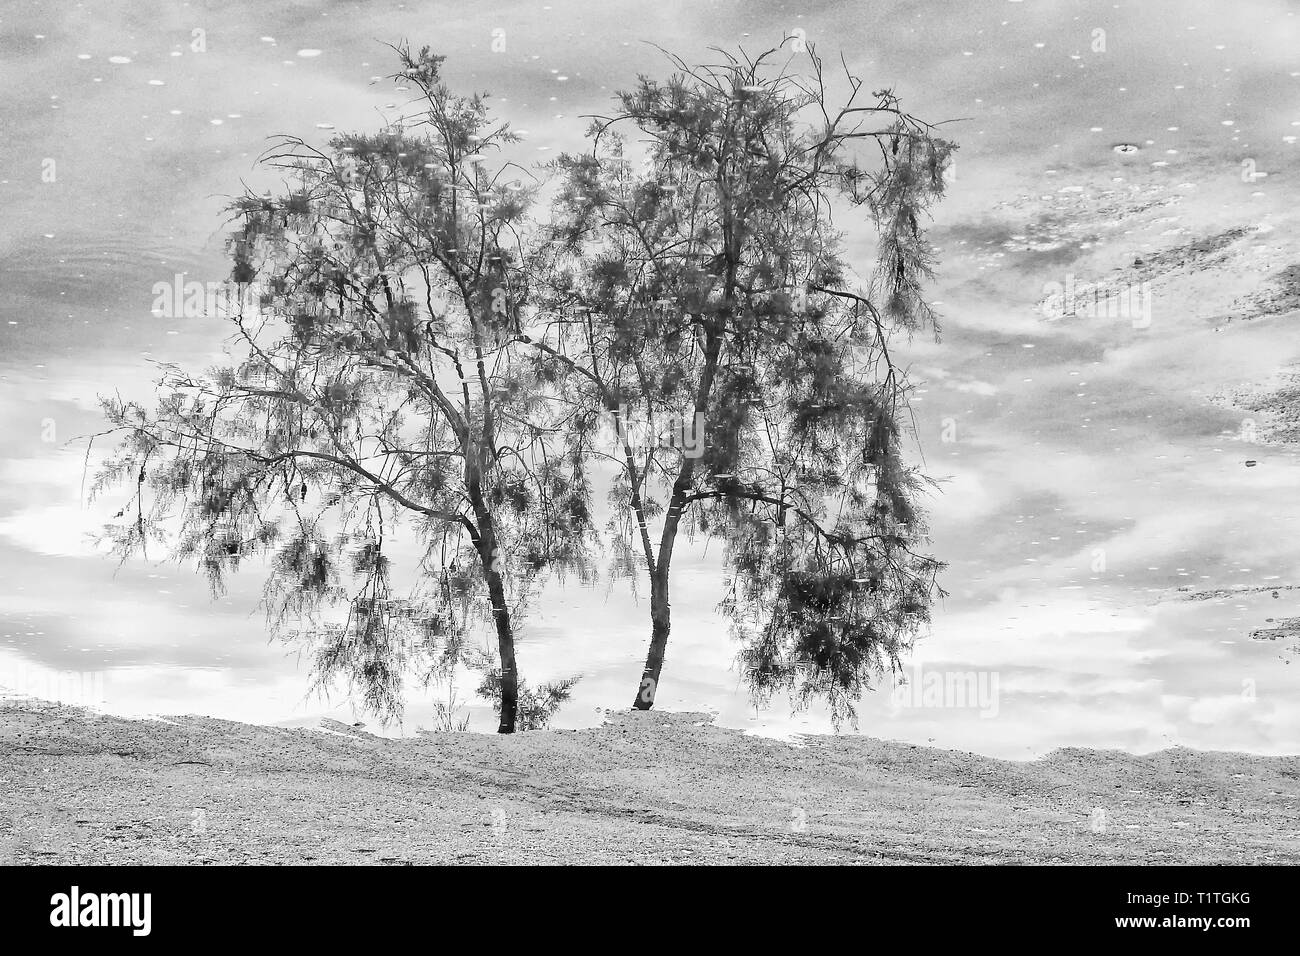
(379, 385)
(701, 299)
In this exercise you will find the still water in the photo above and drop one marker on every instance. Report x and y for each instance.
(1088, 478)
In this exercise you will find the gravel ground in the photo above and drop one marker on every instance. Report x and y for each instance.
(77, 787)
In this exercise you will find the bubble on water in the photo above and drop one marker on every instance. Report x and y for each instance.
(119, 59)
(309, 52)
(83, 56)
(216, 122)
(1095, 129)
(324, 125)
(267, 39)
(156, 83)
(1226, 123)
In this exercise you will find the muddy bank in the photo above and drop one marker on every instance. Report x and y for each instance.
(645, 788)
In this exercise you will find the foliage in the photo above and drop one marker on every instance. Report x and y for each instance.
(378, 385)
(705, 287)
(536, 707)
(423, 364)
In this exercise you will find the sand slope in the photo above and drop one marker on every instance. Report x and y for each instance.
(646, 788)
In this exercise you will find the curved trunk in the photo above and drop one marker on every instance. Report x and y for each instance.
(660, 609)
(660, 624)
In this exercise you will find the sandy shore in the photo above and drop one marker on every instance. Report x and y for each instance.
(645, 788)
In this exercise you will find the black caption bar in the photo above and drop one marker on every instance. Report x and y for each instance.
(167, 905)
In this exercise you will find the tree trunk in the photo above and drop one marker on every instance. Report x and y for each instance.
(506, 648)
(490, 557)
(660, 624)
(660, 609)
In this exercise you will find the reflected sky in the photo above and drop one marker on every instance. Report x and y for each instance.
(1090, 483)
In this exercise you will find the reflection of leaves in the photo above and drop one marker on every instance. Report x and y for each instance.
(536, 707)
(307, 563)
(822, 618)
(354, 404)
(721, 283)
